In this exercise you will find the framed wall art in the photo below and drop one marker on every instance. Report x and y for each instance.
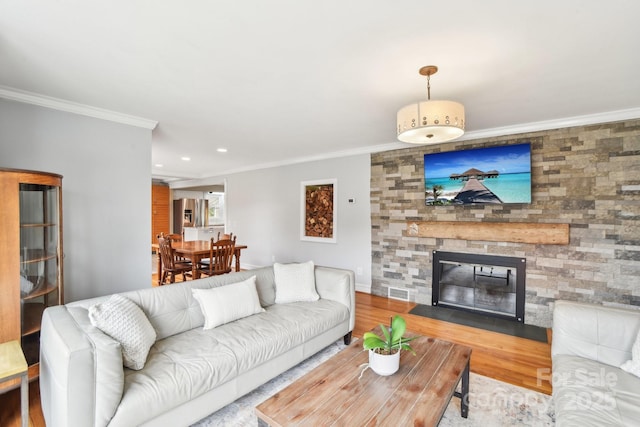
(490, 175)
(318, 210)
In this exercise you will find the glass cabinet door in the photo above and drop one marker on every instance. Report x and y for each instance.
(40, 258)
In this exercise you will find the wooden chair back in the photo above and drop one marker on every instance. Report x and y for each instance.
(221, 254)
(166, 252)
(225, 236)
(170, 265)
(175, 237)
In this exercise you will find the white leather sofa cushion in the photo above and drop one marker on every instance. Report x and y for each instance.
(633, 366)
(172, 309)
(604, 334)
(590, 342)
(588, 393)
(334, 285)
(105, 383)
(182, 367)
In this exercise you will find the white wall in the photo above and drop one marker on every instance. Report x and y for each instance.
(106, 192)
(263, 209)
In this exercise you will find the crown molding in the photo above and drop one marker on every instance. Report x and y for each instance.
(189, 181)
(75, 108)
(585, 120)
(567, 122)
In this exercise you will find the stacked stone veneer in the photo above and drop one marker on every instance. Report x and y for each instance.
(588, 177)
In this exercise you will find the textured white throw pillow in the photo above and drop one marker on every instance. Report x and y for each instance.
(227, 303)
(633, 366)
(295, 282)
(125, 322)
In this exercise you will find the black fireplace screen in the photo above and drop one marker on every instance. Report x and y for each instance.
(493, 285)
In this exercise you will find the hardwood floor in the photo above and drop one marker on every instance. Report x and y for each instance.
(10, 407)
(505, 358)
(510, 359)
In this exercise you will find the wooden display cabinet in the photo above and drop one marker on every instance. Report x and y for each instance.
(31, 267)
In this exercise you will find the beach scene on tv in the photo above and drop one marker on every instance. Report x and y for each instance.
(484, 175)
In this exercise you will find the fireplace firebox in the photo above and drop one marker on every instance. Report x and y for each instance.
(487, 284)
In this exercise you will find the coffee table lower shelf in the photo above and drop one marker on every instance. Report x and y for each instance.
(335, 393)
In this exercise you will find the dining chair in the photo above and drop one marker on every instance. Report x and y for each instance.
(223, 236)
(170, 266)
(220, 257)
(178, 238)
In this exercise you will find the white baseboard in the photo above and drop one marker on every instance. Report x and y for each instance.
(246, 266)
(361, 287)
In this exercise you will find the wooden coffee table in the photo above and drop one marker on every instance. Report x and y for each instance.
(333, 393)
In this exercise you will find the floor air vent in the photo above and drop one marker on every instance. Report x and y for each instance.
(397, 293)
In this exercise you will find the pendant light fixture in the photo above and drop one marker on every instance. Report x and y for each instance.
(430, 122)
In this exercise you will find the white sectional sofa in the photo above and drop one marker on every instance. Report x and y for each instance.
(189, 372)
(590, 343)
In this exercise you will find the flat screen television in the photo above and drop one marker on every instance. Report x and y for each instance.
(495, 175)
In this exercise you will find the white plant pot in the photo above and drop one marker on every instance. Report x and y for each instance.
(384, 364)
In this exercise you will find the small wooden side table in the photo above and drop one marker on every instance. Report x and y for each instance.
(14, 365)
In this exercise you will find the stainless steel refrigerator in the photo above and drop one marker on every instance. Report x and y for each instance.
(190, 213)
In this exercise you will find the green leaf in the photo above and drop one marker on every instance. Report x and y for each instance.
(398, 326)
(371, 341)
(385, 332)
(391, 340)
(387, 337)
(407, 347)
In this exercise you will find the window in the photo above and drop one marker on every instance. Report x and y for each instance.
(216, 208)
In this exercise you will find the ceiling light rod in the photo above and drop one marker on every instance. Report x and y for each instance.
(428, 71)
(430, 122)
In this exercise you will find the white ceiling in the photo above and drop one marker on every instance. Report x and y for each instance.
(290, 80)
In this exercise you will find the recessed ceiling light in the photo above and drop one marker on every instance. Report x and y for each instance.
(186, 159)
(159, 165)
(221, 150)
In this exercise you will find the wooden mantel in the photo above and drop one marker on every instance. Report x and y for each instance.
(517, 232)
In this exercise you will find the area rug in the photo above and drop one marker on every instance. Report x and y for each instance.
(491, 403)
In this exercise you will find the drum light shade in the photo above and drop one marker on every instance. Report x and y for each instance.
(430, 122)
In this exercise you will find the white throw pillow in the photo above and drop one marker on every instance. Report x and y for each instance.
(125, 322)
(295, 282)
(227, 303)
(633, 366)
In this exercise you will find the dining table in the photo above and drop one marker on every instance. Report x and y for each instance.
(194, 250)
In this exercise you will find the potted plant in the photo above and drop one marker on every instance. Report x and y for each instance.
(384, 352)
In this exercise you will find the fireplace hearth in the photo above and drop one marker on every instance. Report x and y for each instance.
(487, 284)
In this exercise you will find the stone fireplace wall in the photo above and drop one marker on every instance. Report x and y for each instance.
(588, 177)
